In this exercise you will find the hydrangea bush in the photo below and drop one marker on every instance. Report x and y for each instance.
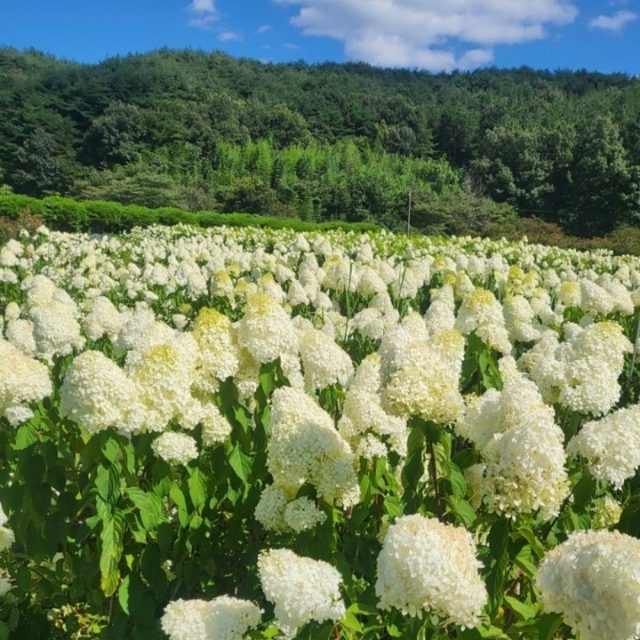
(243, 433)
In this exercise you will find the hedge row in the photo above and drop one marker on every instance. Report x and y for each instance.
(66, 214)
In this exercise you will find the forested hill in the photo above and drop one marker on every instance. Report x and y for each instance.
(207, 131)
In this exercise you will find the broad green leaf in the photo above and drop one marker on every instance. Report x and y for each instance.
(525, 611)
(110, 552)
(179, 500)
(26, 435)
(123, 594)
(240, 462)
(198, 489)
(149, 506)
(462, 510)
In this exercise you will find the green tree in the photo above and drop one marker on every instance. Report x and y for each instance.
(40, 167)
(113, 137)
(605, 189)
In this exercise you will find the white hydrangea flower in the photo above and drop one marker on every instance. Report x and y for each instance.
(23, 382)
(223, 618)
(610, 446)
(55, 330)
(427, 565)
(96, 393)
(303, 514)
(324, 362)
(19, 332)
(302, 589)
(175, 448)
(266, 330)
(368, 428)
(163, 376)
(482, 313)
(306, 448)
(219, 353)
(103, 319)
(522, 447)
(593, 580)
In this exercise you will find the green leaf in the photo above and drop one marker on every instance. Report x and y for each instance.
(525, 611)
(393, 506)
(630, 518)
(111, 450)
(489, 370)
(413, 469)
(198, 489)
(456, 478)
(107, 483)
(179, 500)
(123, 594)
(351, 622)
(26, 435)
(111, 551)
(547, 625)
(149, 505)
(240, 462)
(526, 561)
(462, 510)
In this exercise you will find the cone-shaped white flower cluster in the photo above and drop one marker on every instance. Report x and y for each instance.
(223, 618)
(23, 382)
(427, 565)
(302, 589)
(593, 580)
(522, 447)
(610, 446)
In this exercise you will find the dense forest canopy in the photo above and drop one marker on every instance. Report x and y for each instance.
(331, 141)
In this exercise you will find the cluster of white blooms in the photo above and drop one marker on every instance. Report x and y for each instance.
(606, 513)
(425, 379)
(593, 580)
(302, 589)
(23, 382)
(223, 618)
(364, 423)
(522, 447)
(582, 372)
(610, 446)
(7, 537)
(324, 362)
(520, 319)
(427, 565)
(481, 313)
(305, 448)
(96, 393)
(103, 319)
(219, 353)
(175, 448)
(266, 330)
(53, 315)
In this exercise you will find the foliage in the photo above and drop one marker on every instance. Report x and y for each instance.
(329, 141)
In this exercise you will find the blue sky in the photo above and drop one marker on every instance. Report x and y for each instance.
(428, 34)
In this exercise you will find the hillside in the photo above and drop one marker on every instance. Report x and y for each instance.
(322, 142)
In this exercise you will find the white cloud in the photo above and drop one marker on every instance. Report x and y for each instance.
(264, 28)
(616, 22)
(203, 13)
(428, 33)
(229, 36)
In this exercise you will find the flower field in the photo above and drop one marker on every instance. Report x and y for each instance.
(245, 433)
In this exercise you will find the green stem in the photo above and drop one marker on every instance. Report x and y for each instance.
(433, 473)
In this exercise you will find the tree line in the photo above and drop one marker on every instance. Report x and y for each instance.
(205, 131)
